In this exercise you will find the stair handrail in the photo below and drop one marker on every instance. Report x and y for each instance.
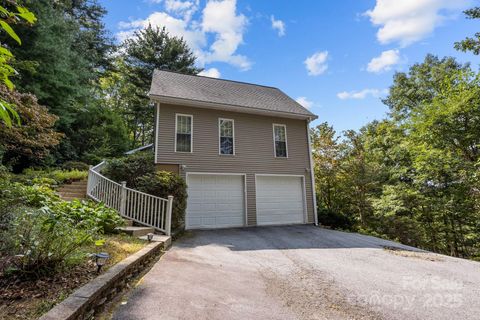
(131, 204)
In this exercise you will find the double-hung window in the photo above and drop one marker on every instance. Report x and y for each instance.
(280, 140)
(226, 136)
(183, 133)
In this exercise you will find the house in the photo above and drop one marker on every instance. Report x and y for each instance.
(242, 148)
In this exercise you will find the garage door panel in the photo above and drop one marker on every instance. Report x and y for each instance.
(280, 200)
(215, 201)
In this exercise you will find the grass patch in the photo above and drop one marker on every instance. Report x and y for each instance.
(30, 299)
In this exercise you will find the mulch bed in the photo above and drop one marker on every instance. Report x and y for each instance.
(29, 299)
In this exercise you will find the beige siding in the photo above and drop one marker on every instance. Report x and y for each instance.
(254, 148)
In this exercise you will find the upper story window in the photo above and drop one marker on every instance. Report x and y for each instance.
(226, 136)
(280, 140)
(183, 133)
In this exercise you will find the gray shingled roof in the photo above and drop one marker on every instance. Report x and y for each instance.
(225, 92)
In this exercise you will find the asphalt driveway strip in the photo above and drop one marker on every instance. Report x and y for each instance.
(302, 272)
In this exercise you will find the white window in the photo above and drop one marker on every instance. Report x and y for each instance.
(183, 133)
(226, 136)
(280, 140)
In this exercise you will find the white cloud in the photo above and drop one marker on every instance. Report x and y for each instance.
(175, 26)
(384, 62)
(212, 73)
(305, 102)
(278, 25)
(409, 21)
(317, 63)
(183, 8)
(362, 94)
(219, 18)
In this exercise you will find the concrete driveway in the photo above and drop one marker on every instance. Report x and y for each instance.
(302, 272)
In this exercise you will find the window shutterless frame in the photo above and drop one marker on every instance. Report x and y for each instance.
(177, 116)
(275, 141)
(220, 137)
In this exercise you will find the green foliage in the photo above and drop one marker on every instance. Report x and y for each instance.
(42, 242)
(7, 17)
(55, 176)
(162, 184)
(138, 170)
(100, 133)
(413, 177)
(67, 52)
(87, 215)
(75, 165)
(469, 43)
(130, 168)
(31, 142)
(149, 49)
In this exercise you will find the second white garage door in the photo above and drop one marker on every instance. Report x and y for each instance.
(215, 201)
(280, 200)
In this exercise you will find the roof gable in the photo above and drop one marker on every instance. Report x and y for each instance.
(224, 92)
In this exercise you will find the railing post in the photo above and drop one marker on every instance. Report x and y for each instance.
(168, 219)
(89, 180)
(123, 198)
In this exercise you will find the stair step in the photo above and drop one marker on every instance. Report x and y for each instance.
(79, 182)
(70, 192)
(72, 198)
(136, 231)
(71, 186)
(159, 238)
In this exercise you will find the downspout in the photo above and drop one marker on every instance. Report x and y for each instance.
(312, 174)
(157, 117)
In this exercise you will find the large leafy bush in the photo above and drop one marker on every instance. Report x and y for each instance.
(130, 168)
(41, 241)
(86, 215)
(42, 233)
(162, 184)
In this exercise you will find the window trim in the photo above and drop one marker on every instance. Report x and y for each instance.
(191, 132)
(274, 142)
(219, 137)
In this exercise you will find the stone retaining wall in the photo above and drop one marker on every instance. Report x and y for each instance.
(86, 301)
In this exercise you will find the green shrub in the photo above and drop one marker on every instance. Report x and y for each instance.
(62, 176)
(50, 176)
(75, 165)
(162, 184)
(336, 220)
(130, 168)
(42, 242)
(87, 215)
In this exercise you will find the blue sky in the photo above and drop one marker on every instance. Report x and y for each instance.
(337, 57)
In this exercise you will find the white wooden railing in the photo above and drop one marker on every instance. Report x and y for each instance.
(134, 205)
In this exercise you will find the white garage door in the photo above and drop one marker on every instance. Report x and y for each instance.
(280, 200)
(215, 201)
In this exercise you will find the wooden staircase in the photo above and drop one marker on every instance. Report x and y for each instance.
(74, 190)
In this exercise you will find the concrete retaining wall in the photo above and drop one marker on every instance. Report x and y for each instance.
(89, 299)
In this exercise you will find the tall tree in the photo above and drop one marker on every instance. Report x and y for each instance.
(150, 49)
(469, 43)
(68, 53)
(414, 177)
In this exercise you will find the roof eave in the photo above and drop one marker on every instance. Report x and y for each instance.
(229, 107)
